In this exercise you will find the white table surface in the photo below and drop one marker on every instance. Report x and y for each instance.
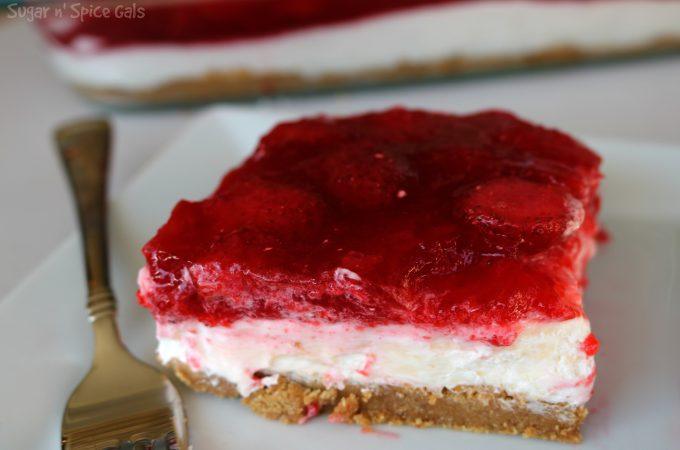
(637, 100)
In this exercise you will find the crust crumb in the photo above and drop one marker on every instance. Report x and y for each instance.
(471, 408)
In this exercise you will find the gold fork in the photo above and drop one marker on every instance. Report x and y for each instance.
(121, 403)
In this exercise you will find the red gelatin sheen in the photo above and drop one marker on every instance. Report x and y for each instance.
(471, 224)
(207, 21)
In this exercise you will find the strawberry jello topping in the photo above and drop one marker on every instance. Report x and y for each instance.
(473, 224)
(207, 21)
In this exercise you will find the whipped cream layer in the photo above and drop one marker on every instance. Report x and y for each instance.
(546, 363)
(475, 30)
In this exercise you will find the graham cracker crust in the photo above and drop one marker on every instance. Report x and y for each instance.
(243, 84)
(469, 408)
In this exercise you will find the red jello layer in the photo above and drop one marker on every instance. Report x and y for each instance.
(474, 222)
(201, 21)
(219, 20)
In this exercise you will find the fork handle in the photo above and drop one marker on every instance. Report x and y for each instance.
(84, 151)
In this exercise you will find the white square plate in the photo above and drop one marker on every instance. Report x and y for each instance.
(633, 301)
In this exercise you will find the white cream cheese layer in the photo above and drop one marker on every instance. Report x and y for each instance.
(475, 30)
(546, 362)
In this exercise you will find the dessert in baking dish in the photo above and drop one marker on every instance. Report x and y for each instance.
(204, 49)
(400, 267)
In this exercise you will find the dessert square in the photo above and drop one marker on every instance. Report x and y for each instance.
(402, 267)
(197, 50)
